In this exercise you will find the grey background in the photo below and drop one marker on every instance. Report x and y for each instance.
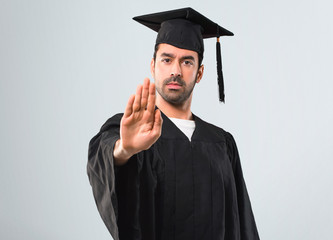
(66, 66)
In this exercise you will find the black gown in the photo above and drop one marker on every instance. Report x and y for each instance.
(176, 190)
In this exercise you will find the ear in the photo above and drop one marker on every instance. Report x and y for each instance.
(200, 73)
(152, 67)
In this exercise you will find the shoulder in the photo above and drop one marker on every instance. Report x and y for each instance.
(217, 134)
(213, 131)
(109, 128)
(113, 121)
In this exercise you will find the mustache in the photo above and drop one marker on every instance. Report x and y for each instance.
(176, 79)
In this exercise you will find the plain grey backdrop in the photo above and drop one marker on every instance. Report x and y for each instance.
(68, 65)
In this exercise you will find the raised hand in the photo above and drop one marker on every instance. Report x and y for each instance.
(141, 124)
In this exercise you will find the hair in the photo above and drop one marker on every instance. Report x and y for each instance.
(200, 55)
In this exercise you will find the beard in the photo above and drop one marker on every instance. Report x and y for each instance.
(176, 96)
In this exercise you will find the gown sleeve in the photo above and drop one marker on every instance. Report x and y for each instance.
(248, 228)
(101, 172)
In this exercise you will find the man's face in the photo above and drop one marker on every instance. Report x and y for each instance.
(176, 71)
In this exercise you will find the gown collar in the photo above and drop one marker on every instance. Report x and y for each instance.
(203, 131)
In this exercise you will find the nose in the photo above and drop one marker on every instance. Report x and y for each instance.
(176, 70)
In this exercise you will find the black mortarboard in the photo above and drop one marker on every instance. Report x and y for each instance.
(186, 28)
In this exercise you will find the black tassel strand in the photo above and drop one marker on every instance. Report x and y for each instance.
(219, 70)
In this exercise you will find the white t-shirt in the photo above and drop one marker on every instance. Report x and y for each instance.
(186, 126)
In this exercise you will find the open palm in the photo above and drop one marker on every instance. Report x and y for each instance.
(141, 124)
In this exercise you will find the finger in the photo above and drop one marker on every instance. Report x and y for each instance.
(129, 106)
(151, 98)
(137, 100)
(145, 93)
(157, 128)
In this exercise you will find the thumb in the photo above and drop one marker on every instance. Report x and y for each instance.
(158, 121)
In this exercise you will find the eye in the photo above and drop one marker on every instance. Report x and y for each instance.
(188, 63)
(166, 60)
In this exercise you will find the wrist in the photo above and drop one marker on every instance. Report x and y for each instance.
(121, 154)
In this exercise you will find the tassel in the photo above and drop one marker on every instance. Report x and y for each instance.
(219, 70)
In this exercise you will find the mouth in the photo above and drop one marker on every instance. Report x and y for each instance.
(173, 85)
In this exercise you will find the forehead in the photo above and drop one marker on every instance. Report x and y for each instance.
(177, 52)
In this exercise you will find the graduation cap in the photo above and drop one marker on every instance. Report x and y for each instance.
(186, 28)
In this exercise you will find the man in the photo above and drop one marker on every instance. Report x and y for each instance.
(160, 172)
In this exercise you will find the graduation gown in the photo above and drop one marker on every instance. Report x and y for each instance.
(176, 190)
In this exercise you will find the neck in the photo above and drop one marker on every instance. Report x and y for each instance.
(182, 111)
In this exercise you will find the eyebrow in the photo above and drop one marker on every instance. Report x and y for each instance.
(187, 57)
(167, 55)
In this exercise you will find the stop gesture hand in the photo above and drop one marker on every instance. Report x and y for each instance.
(141, 124)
